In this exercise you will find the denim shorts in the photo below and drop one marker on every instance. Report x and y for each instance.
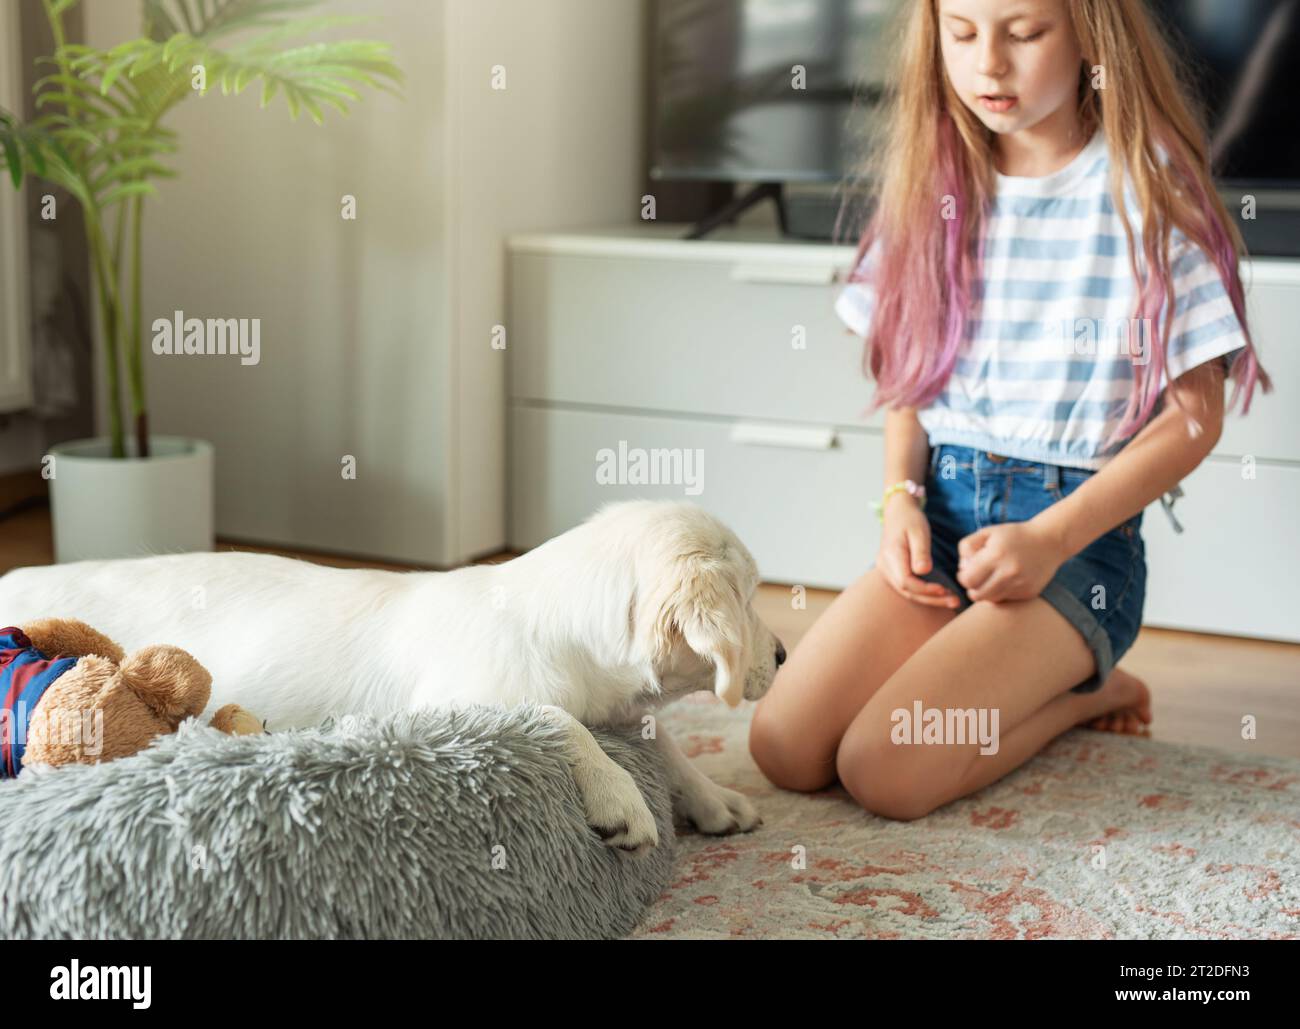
(1100, 590)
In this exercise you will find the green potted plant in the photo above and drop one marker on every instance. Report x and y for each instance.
(99, 133)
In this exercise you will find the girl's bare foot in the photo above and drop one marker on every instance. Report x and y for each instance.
(1126, 702)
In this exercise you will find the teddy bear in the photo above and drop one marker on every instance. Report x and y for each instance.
(90, 702)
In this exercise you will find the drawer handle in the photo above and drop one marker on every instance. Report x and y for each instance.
(800, 437)
(786, 275)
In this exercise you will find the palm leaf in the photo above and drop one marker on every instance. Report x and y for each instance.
(308, 76)
(99, 134)
(131, 170)
(25, 146)
(13, 157)
(33, 147)
(218, 18)
(85, 91)
(158, 21)
(125, 190)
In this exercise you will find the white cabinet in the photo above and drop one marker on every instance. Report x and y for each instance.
(799, 504)
(747, 336)
(1272, 429)
(1235, 567)
(628, 339)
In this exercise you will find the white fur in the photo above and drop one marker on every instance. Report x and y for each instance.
(643, 602)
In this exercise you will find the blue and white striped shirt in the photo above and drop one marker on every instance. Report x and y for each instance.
(1043, 373)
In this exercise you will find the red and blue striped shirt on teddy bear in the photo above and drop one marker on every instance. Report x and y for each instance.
(25, 675)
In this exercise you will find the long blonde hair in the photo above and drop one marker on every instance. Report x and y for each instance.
(933, 147)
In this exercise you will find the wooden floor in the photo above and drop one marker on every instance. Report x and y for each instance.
(1201, 685)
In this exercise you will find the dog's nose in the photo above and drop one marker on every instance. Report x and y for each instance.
(780, 653)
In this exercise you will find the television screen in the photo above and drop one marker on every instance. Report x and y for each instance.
(1244, 59)
(764, 90)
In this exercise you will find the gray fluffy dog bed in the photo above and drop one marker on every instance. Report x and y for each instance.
(445, 824)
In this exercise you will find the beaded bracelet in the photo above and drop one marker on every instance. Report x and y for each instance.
(907, 486)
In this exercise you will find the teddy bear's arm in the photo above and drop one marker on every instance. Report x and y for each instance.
(234, 720)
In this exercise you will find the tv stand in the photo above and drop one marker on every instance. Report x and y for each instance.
(720, 369)
(728, 214)
(1275, 233)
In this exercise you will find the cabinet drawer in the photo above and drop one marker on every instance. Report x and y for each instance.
(707, 337)
(801, 506)
(1235, 567)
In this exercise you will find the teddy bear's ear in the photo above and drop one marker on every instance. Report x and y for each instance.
(70, 637)
(169, 681)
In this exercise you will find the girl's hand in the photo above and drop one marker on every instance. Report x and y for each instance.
(905, 553)
(1010, 561)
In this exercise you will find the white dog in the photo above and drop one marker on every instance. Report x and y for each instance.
(642, 603)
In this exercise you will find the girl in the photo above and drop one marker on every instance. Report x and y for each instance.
(1026, 338)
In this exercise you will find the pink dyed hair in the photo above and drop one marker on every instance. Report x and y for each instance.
(934, 147)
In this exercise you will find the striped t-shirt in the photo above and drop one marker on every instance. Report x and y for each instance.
(1043, 372)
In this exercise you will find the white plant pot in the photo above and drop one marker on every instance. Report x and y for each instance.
(105, 507)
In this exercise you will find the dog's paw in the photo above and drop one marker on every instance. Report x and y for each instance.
(617, 811)
(719, 811)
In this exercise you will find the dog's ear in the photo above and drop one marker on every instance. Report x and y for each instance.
(696, 599)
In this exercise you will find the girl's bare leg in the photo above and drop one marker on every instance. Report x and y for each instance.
(859, 641)
(844, 659)
(1118, 699)
(1015, 661)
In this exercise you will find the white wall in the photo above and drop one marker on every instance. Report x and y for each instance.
(376, 333)
(561, 145)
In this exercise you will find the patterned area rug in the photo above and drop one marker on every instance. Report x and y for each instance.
(1099, 836)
